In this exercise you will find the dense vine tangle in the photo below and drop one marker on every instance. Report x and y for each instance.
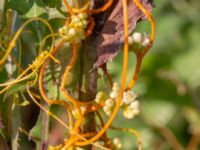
(123, 81)
(125, 11)
(88, 32)
(58, 119)
(44, 96)
(41, 89)
(32, 67)
(72, 11)
(75, 140)
(140, 55)
(80, 118)
(37, 62)
(76, 102)
(13, 41)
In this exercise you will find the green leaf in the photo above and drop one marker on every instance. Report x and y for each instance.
(36, 131)
(35, 8)
(16, 88)
(35, 11)
(40, 131)
(53, 3)
(28, 8)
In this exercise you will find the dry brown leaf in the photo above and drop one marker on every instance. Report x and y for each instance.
(111, 37)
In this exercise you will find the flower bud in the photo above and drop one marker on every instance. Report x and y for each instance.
(135, 105)
(145, 42)
(107, 110)
(114, 94)
(137, 37)
(128, 113)
(60, 31)
(72, 32)
(100, 97)
(129, 97)
(84, 24)
(117, 143)
(82, 16)
(75, 19)
(130, 40)
(115, 87)
(109, 102)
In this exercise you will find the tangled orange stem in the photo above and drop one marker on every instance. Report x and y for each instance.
(58, 119)
(75, 103)
(90, 27)
(41, 89)
(136, 73)
(116, 109)
(146, 49)
(68, 7)
(102, 9)
(64, 78)
(13, 41)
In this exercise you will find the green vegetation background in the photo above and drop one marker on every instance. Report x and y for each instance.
(169, 84)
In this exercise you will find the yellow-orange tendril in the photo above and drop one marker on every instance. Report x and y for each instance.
(146, 49)
(123, 81)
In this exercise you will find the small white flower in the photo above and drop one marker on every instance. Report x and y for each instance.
(145, 42)
(129, 97)
(115, 87)
(137, 37)
(61, 30)
(72, 32)
(131, 110)
(65, 29)
(75, 19)
(84, 23)
(107, 110)
(117, 143)
(135, 105)
(128, 113)
(114, 94)
(109, 102)
(130, 40)
(82, 16)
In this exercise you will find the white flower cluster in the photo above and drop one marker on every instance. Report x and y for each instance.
(129, 105)
(117, 143)
(110, 102)
(139, 38)
(75, 30)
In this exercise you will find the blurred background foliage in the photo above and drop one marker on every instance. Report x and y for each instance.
(168, 87)
(169, 83)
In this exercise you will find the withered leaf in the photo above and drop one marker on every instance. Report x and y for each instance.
(111, 37)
